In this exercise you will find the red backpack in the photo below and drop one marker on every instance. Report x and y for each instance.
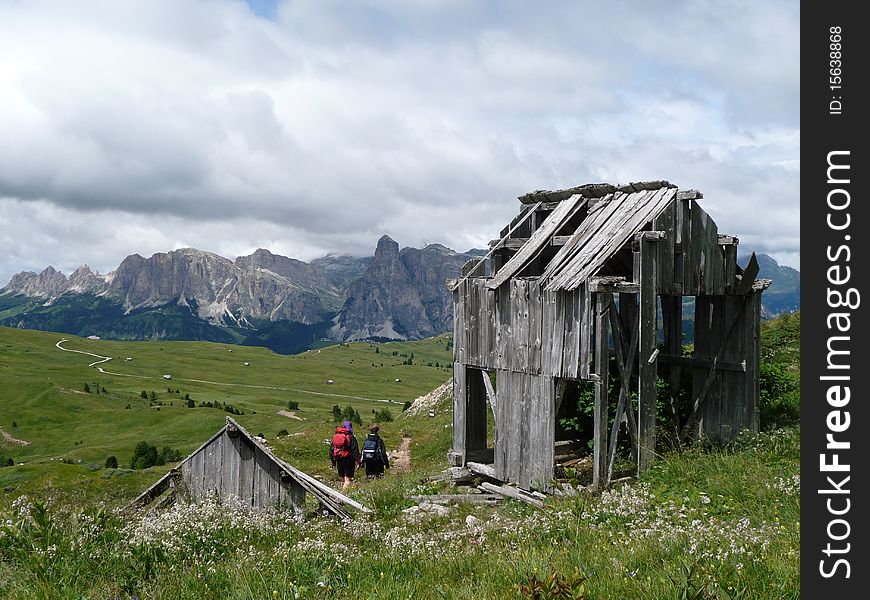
(341, 443)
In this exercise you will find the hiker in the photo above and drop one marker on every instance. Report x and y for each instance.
(374, 454)
(344, 453)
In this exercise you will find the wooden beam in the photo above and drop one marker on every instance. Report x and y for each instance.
(703, 363)
(513, 493)
(517, 243)
(599, 418)
(482, 469)
(490, 392)
(689, 195)
(613, 284)
(727, 240)
(748, 278)
(647, 371)
(449, 498)
(509, 243)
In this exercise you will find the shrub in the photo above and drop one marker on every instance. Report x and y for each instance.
(143, 394)
(112, 462)
(779, 403)
(293, 405)
(383, 415)
(168, 455)
(406, 405)
(87, 389)
(144, 456)
(282, 433)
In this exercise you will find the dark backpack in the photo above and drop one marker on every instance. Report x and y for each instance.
(370, 451)
(341, 444)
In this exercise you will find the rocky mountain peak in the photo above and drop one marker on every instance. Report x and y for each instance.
(387, 247)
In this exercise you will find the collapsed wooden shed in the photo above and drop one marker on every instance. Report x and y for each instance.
(584, 275)
(233, 463)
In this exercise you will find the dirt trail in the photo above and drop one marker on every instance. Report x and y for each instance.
(400, 460)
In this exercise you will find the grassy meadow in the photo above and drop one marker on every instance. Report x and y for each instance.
(703, 523)
(43, 402)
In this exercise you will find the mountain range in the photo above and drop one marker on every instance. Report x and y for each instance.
(269, 300)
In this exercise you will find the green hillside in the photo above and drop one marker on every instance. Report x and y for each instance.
(43, 402)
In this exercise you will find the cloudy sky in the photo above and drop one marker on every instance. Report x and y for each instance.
(315, 126)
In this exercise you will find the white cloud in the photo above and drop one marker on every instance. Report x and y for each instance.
(205, 125)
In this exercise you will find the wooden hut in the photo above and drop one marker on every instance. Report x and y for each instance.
(584, 275)
(233, 463)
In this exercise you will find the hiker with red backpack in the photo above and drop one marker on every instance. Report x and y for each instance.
(344, 452)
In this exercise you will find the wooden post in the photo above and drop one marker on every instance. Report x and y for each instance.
(456, 456)
(602, 362)
(645, 275)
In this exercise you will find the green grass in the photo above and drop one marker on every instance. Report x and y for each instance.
(702, 523)
(41, 393)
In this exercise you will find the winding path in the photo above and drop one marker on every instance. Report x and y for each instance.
(104, 359)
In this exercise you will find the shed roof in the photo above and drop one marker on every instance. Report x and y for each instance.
(611, 222)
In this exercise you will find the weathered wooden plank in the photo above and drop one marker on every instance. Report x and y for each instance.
(520, 317)
(631, 219)
(730, 261)
(559, 331)
(538, 240)
(490, 391)
(246, 472)
(599, 418)
(534, 309)
(689, 195)
(752, 348)
(749, 274)
(702, 363)
(647, 367)
(606, 229)
(503, 405)
(687, 272)
(597, 217)
(458, 498)
(512, 493)
(459, 405)
(625, 364)
(665, 262)
(581, 348)
(693, 278)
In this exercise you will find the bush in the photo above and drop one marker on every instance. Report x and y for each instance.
(143, 394)
(144, 456)
(383, 415)
(293, 405)
(282, 433)
(168, 455)
(112, 462)
(406, 405)
(779, 403)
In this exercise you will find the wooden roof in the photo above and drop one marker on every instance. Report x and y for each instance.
(611, 223)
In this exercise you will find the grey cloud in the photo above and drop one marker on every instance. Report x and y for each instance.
(421, 119)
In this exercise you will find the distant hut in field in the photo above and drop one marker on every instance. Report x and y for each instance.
(233, 463)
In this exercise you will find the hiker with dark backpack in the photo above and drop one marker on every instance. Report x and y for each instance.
(374, 454)
(344, 453)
